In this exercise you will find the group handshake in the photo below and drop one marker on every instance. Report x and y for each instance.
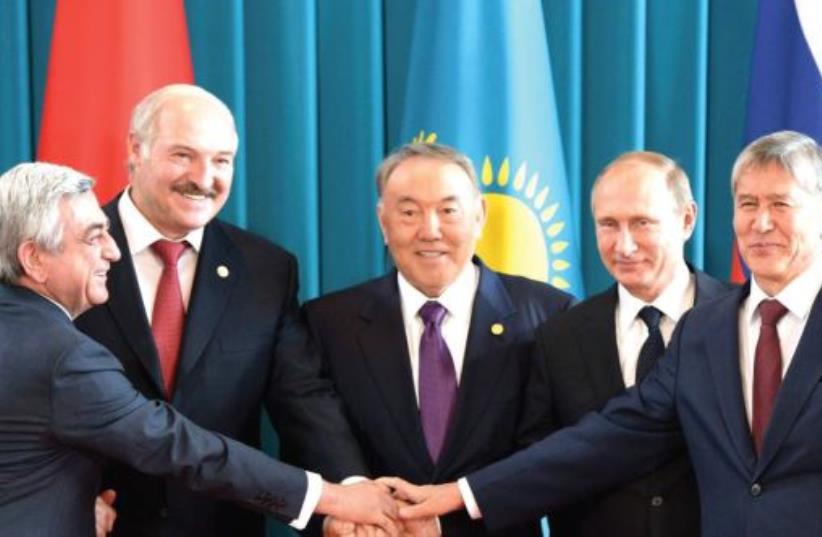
(390, 506)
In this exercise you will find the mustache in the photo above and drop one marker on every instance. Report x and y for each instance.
(192, 189)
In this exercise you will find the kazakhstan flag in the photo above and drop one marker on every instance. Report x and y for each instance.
(480, 80)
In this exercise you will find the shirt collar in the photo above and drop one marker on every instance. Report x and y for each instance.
(673, 301)
(798, 296)
(458, 298)
(140, 233)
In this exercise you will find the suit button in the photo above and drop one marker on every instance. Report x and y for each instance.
(756, 489)
(164, 512)
(656, 501)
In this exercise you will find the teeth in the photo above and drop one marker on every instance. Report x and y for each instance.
(195, 197)
(430, 254)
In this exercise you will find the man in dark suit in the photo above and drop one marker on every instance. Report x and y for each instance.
(643, 214)
(64, 399)
(373, 336)
(231, 344)
(740, 384)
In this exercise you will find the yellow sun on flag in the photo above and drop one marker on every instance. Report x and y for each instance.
(521, 233)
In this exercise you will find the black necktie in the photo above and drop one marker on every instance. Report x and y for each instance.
(654, 346)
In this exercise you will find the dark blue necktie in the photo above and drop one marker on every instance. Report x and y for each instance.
(438, 380)
(654, 345)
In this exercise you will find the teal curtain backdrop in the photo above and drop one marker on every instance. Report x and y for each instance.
(318, 88)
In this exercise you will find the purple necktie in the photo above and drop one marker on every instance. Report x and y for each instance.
(767, 376)
(438, 380)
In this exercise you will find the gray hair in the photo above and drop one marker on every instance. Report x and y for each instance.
(424, 150)
(675, 177)
(797, 154)
(145, 113)
(30, 195)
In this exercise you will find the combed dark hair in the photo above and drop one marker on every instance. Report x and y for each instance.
(426, 150)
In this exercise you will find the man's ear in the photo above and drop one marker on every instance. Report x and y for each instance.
(689, 220)
(133, 148)
(380, 217)
(31, 260)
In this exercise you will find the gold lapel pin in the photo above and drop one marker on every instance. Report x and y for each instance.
(222, 271)
(497, 329)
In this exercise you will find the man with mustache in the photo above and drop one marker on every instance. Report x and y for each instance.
(204, 315)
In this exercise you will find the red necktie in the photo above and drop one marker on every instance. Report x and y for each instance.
(767, 369)
(168, 316)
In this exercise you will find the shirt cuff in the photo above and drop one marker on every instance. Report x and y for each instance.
(312, 498)
(468, 499)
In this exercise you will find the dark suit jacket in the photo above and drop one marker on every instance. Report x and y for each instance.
(243, 348)
(64, 402)
(695, 393)
(361, 333)
(578, 372)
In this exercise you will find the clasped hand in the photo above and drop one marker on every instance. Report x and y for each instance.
(417, 508)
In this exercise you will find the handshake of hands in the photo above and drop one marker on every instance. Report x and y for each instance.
(388, 506)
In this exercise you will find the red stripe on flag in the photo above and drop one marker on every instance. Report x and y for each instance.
(106, 56)
(739, 273)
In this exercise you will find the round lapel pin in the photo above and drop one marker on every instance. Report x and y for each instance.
(497, 329)
(222, 271)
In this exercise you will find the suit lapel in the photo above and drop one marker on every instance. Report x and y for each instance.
(597, 337)
(723, 359)
(219, 267)
(126, 305)
(483, 361)
(385, 351)
(800, 381)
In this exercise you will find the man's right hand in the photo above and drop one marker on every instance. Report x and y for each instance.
(364, 503)
(429, 500)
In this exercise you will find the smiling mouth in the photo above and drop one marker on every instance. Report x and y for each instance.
(430, 254)
(194, 193)
(763, 246)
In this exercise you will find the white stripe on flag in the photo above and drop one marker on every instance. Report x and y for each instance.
(810, 19)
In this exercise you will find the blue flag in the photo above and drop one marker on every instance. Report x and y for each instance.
(480, 81)
(785, 88)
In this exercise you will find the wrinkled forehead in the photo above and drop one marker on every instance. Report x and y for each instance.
(82, 211)
(194, 120)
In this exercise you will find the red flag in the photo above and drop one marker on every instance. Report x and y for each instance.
(106, 56)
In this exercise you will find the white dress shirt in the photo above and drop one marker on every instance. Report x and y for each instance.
(631, 331)
(797, 297)
(140, 235)
(458, 300)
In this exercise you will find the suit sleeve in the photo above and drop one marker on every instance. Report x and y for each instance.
(95, 407)
(632, 435)
(302, 403)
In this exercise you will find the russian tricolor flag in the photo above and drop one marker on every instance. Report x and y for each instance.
(785, 88)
